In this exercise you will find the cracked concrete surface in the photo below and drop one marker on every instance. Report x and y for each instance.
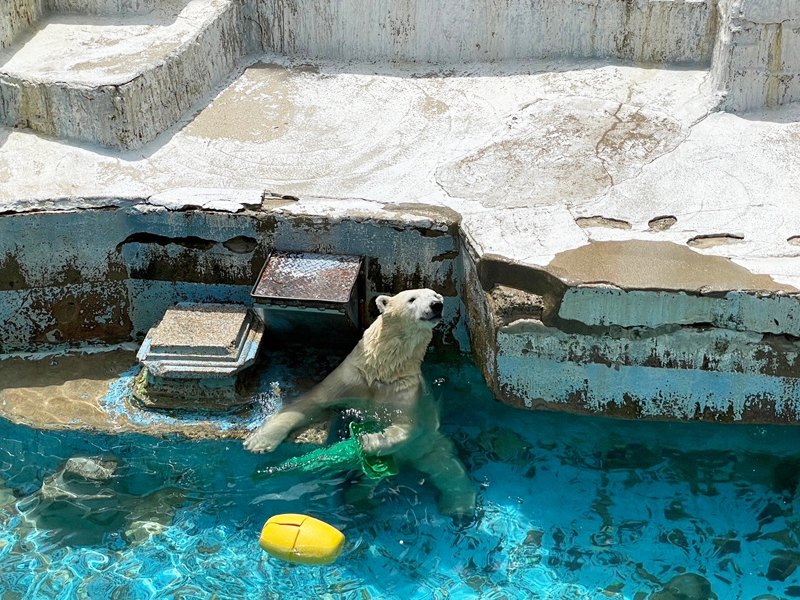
(537, 157)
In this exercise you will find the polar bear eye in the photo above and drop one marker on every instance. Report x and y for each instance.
(411, 300)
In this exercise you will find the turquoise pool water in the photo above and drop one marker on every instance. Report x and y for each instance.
(570, 507)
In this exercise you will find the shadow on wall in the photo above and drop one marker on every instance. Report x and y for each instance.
(784, 115)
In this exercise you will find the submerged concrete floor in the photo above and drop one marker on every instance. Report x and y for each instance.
(92, 391)
(538, 158)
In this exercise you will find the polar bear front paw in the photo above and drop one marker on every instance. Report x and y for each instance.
(386, 442)
(261, 441)
(371, 443)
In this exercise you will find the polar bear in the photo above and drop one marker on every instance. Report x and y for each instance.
(381, 379)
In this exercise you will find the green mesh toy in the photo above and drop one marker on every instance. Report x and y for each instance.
(342, 456)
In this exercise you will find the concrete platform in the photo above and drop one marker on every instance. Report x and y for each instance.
(104, 78)
(537, 158)
(194, 356)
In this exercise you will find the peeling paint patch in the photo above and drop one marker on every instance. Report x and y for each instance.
(637, 391)
(71, 313)
(684, 374)
(701, 349)
(738, 311)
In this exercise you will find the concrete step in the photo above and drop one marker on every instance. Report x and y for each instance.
(118, 79)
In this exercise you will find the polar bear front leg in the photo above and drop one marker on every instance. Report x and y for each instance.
(300, 412)
(270, 435)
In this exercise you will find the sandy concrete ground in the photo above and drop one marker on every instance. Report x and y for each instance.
(76, 391)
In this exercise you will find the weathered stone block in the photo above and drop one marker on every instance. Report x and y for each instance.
(193, 356)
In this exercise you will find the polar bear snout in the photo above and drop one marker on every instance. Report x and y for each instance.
(423, 306)
(435, 310)
(430, 306)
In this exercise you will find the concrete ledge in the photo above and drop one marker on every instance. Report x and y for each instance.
(118, 81)
(543, 340)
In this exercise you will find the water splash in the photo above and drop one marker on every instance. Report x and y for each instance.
(121, 409)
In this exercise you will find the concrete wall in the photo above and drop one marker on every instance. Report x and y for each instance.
(16, 16)
(658, 31)
(104, 7)
(108, 275)
(757, 56)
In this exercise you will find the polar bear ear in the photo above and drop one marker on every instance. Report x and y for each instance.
(382, 302)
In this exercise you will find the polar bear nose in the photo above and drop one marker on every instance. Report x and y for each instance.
(437, 307)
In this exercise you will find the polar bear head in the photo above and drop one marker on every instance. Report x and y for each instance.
(421, 308)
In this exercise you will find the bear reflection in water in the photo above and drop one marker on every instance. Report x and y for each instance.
(382, 380)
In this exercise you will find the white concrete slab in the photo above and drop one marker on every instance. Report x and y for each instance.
(97, 50)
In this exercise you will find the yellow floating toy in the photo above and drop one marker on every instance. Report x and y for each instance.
(301, 539)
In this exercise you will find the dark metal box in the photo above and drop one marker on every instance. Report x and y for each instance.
(307, 292)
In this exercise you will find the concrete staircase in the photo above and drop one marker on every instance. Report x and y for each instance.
(119, 72)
